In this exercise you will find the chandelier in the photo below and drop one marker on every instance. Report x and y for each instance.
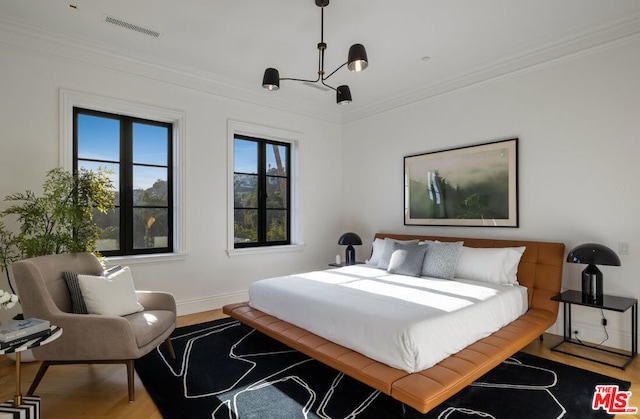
(356, 61)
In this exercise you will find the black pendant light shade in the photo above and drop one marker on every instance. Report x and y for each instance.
(357, 61)
(593, 254)
(357, 58)
(343, 95)
(271, 79)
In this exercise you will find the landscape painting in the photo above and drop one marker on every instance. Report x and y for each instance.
(468, 186)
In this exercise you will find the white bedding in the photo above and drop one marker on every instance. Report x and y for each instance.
(406, 322)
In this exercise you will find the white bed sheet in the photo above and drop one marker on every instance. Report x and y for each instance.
(405, 322)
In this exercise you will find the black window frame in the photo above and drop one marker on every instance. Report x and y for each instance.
(127, 205)
(262, 193)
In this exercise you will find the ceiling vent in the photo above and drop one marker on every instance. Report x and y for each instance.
(131, 26)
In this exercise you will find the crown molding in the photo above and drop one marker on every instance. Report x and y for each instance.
(536, 57)
(27, 38)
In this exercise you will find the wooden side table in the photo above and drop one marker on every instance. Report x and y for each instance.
(56, 332)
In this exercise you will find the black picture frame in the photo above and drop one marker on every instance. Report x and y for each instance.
(473, 186)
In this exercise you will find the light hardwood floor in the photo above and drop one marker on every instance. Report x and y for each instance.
(100, 391)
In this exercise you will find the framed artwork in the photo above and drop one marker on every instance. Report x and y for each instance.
(467, 186)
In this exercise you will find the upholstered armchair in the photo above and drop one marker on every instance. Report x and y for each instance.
(89, 338)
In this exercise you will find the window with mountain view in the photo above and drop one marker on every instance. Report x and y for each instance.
(261, 192)
(138, 152)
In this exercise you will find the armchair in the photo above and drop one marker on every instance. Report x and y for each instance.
(89, 338)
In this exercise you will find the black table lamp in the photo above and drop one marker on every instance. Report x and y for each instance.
(350, 239)
(593, 254)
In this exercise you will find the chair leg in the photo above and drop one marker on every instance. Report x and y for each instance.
(130, 372)
(172, 353)
(43, 369)
(130, 379)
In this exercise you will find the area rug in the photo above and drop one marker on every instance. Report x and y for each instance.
(225, 369)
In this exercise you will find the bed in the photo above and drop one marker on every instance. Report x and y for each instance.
(539, 276)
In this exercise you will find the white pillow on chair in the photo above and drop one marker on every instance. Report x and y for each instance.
(114, 294)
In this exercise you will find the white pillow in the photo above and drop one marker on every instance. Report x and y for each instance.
(113, 295)
(494, 265)
(378, 248)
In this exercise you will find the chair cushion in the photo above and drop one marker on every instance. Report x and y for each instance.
(150, 324)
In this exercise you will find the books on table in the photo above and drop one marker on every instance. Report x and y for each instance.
(24, 339)
(26, 329)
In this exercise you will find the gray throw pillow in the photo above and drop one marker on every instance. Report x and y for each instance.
(77, 301)
(387, 250)
(407, 258)
(441, 259)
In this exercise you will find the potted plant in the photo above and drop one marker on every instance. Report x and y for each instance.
(58, 221)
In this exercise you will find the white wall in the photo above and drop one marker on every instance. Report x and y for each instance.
(30, 80)
(578, 123)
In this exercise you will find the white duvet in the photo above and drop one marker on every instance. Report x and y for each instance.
(405, 322)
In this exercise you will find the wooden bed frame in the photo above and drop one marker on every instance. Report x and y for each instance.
(540, 270)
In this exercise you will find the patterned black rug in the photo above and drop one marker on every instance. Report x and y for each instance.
(225, 369)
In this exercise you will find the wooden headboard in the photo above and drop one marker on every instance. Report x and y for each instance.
(540, 268)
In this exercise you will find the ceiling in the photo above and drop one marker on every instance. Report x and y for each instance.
(233, 41)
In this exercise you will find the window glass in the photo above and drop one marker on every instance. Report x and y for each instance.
(276, 225)
(151, 229)
(276, 192)
(98, 138)
(150, 144)
(261, 192)
(245, 226)
(150, 186)
(109, 225)
(277, 160)
(245, 156)
(138, 152)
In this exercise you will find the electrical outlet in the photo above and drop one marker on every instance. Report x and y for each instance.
(623, 248)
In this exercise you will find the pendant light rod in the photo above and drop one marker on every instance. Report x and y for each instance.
(357, 61)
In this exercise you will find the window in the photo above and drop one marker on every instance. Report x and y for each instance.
(261, 192)
(139, 153)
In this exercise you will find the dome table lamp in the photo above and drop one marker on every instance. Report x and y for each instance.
(593, 254)
(349, 240)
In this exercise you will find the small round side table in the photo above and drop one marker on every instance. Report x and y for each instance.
(56, 332)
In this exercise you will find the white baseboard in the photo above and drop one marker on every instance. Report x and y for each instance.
(213, 302)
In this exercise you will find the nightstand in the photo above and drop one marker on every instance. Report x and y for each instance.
(611, 303)
(339, 265)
